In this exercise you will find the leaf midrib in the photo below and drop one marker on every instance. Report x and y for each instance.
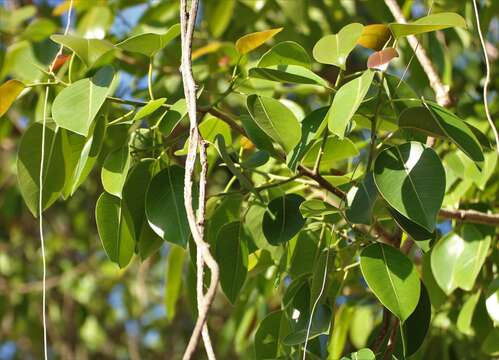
(391, 281)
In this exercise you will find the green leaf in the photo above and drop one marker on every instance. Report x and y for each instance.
(165, 195)
(334, 151)
(250, 42)
(149, 108)
(232, 256)
(115, 169)
(271, 330)
(219, 14)
(492, 301)
(490, 344)
(456, 260)
(346, 102)
(316, 208)
(89, 153)
(392, 277)
(319, 326)
(337, 340)
(115, 229)
(134, 193)
(420, 119)
(287, 74)
(241, 177)
(311, 129)
(334, 49)
(437, 296)
(362, 325)
(72, 145)
(360, 201)
(411, 178)
(76, 106)
(465, 317)
(414, 329)
(457, 131)
(28, 166)
(176, 113)
(276, 120)
(362, 354)
(285, 53)
(88, 50)
(173, 282)
(283, 219)
(210, 128)
(374, 36)
(9, 91)
(418, 233)
(257, 135)
(149, 44)
(428, 23)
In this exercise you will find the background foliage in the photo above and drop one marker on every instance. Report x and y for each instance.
(146, 309)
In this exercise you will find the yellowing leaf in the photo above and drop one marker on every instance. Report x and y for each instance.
(251, 41)
(9, 91)
(374, 36)
(63, 7)
(207, 49)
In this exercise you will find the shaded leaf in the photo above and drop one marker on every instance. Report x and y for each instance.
(271, 330)
(360, 201)
(232, 256)
(115, 169)
(115, 229)
(415, 328)
(285, 53)
(283, 219)
(165, 208)
(287, 74)
(173, 282)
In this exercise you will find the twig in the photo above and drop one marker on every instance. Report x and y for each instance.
(487, 77)
(187, 21)
(471, 216)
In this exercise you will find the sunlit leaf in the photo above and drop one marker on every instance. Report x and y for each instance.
(9, 91)
(250, 42)
(88, 50)
(149, 44)
(432, 22)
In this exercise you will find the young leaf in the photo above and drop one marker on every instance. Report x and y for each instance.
(115, 170)
(9, 91)
(456, 260)
(380, 59)
(76, 106)
(392, 277)
(115, 228)
(88, 50)
(149, 44)
(232, 255)
(165, 208)
(276, 120)
(411, 178)
(28, 166)
(334, 49)
(346, 102)
(283, 219)
(374, 36)
(428, 23)
(285, 53)
(250, 42)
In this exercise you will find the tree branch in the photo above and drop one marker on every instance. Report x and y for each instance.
(471, 216)
(187, 21)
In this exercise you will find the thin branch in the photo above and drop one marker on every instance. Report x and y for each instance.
(471, 216)
(187, 21)
(441, 91)
(487, 77)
